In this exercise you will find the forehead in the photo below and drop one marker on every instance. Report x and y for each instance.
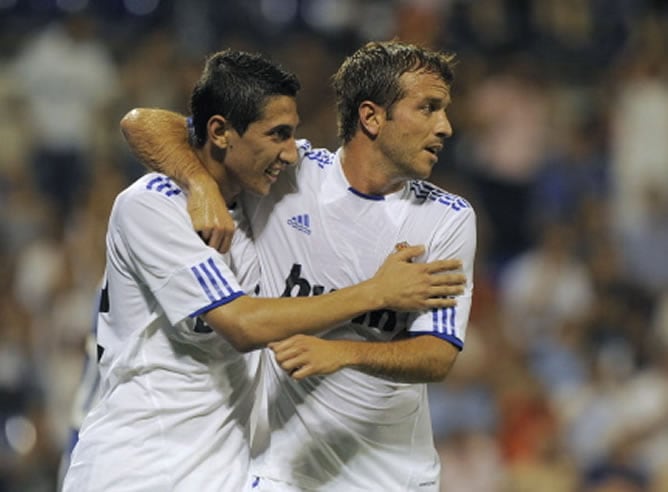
(421, 84)
(278, 110)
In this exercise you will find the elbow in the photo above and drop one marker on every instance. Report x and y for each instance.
(448, 368)
(444, 366)
(241, 338)
(235, 322)
(439, 376)
(129, 122)
(243, 346)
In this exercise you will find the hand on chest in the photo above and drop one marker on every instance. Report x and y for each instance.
(347, 242)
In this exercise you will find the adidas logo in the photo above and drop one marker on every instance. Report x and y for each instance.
(301, 222)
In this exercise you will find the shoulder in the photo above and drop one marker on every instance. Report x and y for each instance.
(309, 156)
(441, 215)
(150, 194)
(426, 193)
(151, 187)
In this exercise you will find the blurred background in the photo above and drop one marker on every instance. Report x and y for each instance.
(561, 144)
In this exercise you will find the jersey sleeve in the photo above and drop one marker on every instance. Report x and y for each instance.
(155, 236)
(454, 239)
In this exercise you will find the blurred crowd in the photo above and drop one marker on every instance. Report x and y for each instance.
(560, 112)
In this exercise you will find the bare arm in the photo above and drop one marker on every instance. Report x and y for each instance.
(421, 359)
(249, 323)
(159, 139)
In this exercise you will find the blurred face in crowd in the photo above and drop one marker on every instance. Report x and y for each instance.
(415, 127)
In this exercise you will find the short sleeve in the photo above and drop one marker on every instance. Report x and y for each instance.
(456, 238)
(151, 230)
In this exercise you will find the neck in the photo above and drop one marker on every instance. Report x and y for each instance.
(228, 185)
(367, 171)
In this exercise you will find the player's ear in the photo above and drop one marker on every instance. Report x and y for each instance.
(218, 129)
(371, 118)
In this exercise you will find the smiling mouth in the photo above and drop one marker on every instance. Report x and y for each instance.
(273, 172)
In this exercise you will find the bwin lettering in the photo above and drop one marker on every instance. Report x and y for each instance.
(303, 287)
(297, 286)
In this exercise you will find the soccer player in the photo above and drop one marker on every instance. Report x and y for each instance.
(175, 392)
(326, 224)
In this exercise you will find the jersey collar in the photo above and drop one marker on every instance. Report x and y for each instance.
(342, 183)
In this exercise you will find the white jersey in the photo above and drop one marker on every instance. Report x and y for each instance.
(175, 397)
(350, 431)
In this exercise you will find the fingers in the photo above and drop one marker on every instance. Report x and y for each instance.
(407, 253)
(451, 279)
(221, 240)
(293, 357)
(445, 290)
(440, 303)
(226, 242)
(286, 350)
(215, 240)
(281, 345)
(286, 355)
(303, 372)
(205, 234)
(218, 239)
(291, 362)
(443, 265)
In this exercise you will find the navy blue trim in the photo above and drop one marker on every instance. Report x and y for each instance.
(73, 440)
(364, 195)
(162, 184)
(220, 302)
(459, 345)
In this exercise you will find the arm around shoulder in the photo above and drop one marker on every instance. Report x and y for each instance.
(159, 139)
(249, 323)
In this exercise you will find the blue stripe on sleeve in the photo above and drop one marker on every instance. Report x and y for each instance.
(212, 280)
(203, 284)
(446, 322)
(453, 313)
(219, 275)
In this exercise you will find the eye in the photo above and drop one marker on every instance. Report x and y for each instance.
(430, 107)
(282, 133)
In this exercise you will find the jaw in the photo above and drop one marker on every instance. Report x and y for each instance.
(420, 167)
(261, 189)
(262, 184)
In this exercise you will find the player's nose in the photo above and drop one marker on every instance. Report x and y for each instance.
(289, 154)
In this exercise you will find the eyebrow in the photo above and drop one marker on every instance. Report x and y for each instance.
(283, 128)
(443, 101)
(280, 128)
